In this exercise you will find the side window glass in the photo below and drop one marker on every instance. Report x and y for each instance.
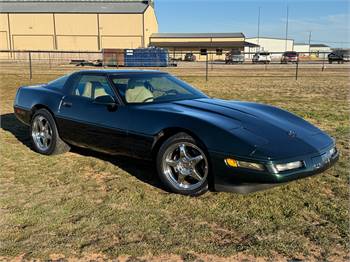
(92, 86)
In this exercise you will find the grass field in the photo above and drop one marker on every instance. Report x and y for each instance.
(92, 206)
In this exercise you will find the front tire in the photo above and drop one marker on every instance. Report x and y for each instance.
(183, 165)
(44, 134)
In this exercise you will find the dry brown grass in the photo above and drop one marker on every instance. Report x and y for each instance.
(88, 205)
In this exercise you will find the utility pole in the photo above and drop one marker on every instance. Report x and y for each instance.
(258, 42)
(287, 27)
(310, 41)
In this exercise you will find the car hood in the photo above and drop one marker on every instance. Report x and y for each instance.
(274, 132)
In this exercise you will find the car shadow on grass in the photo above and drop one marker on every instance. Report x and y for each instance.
(141, 169)
(10, 123)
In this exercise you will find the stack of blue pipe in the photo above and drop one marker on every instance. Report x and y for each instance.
(146, 57)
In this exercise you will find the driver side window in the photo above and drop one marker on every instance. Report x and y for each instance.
(92, 86)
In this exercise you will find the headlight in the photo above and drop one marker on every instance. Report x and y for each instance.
(332, 152)
(243, 164)
(289, 166)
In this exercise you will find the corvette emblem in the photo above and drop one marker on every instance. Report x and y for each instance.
(292, 133)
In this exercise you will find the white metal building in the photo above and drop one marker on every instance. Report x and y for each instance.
(270, 44)
(320, 50)
(302, 49)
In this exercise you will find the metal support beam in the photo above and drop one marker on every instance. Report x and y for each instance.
(54, 32)
(9, 32)
(30, 65)
(98, 32)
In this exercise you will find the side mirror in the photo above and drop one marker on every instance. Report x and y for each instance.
(106, 100)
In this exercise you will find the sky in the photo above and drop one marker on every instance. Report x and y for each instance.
(328, 20)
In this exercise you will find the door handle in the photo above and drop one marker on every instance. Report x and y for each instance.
(66, 104)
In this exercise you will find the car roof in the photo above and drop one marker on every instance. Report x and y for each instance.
(122, 71)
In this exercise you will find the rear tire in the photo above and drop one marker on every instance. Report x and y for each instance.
(183, 165)
(44, 134)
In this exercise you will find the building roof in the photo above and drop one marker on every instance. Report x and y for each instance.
(267, 37)
(198, 45)
(75, 6)
(198, 35)
(114, 1)
(248, 44)
(318, 45)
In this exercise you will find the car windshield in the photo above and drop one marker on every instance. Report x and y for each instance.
(266, 54)
(290, 54)
(148, 88)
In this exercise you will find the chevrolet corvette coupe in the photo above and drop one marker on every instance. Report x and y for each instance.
(196, 142)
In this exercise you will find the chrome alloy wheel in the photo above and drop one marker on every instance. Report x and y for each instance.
(42, 133)
(185, 165)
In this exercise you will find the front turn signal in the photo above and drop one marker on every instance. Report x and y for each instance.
(243, 164)
(231, 162)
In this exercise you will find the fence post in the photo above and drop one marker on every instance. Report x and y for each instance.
(206, 68)
(323, 64)
(296, 70)
(30, 66)
(49, 60)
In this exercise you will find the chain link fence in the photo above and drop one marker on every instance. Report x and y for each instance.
(180, 63)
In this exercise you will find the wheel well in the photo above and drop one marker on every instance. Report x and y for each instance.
(166, 133)
(169, 132)
(37, 107)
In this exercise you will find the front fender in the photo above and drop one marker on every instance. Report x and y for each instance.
(215, 133)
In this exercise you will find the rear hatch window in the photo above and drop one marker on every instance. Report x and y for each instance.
(59, 82)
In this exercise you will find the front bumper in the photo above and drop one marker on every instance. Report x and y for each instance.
(290, 60)
(244, 181)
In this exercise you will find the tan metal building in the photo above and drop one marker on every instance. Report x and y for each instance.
(76, 25)
(180, 43)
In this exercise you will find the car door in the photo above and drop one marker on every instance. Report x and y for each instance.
(84, 122)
